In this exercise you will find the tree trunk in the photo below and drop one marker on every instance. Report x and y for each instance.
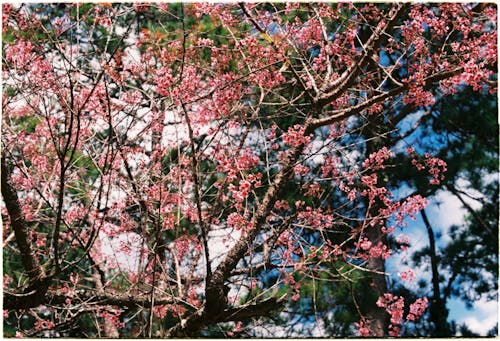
(378, 318)
(109, 328)
(438, 311)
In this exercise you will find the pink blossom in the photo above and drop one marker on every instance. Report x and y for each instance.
(244, 185)
(21, 54)
(407, 275)
(169, 222)
(352, 194)
(380, 250)
(365, 244)
(74, 214)
(7, 280)
(182, 246)
(141, 6)
(404, 241)
(394, 306)
(74, 278)
(238, 222)
(44, 324)
(301, 170)
(363, 329)
(295, 136)
(139, 103)
(160, 311)
(376, 160)
(417, 309)
(281, 205)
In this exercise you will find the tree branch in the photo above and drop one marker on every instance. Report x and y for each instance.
(214, 289)
(335, 89)
(38, 282)
(262, 308)
(124, 300)
(342, 114)
(192, 325)
(472, 211)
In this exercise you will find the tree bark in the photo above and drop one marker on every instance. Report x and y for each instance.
(37, 281)
(378, 318)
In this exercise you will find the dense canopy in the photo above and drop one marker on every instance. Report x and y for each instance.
(238, 169)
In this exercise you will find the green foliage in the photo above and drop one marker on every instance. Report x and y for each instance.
(472, 255)
(81, 10)
(9, 91)
(26, 123)
(7, 38)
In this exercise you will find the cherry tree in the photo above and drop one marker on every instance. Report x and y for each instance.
(160, 161)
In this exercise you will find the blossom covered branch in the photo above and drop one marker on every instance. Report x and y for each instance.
(183, 169)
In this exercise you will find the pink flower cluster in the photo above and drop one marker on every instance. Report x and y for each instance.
(21, 54)
(241, 192)
(44, 325)
(365, 244)
(363, 329)
(233, 165)
(316, 218)
(295, 136)
(291, 247)
(294, 285)
(371, 191)
(220, 11)
(410, 208)
(301, 170)
(111, 316)
(164, 81)
(329, 167)
(169, 222)
(376, 160)
(74, 214)
(281, 205)
(184, 244)
(239, 222)
(436, 166)
(380, 250)
(394, 305)
(237, 328)
(407, 275)
(403, 241)
(369, 250)
(419, 97)
(6, 280)
(417, 309)
(6, 13)
(160, 311)
(141, 6)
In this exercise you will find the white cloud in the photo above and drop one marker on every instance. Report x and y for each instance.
(220, 241)
(480, 319)
(123, 251)
(445, 210)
